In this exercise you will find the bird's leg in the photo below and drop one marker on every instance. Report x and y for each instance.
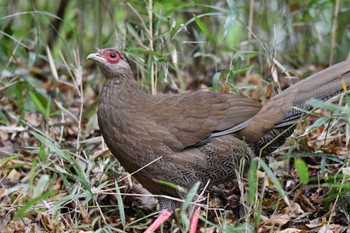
(164, 215)
(167, 206)
(194, 220)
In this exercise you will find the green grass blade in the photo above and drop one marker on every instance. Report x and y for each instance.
(3, 118)
(40, 186)
(320, 121)
(21, 212)
(172, 185)
(33, 96)
(252, 181)
(7, 159)
(120, 204)
(216, 79)
(51, 145)
(190, 196)
(42, 154)
(327, 106)
(273, 179)
(204, 29)
(228, 24)
(67, 157)
(302, 170)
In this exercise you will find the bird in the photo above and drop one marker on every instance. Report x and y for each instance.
(197, 136)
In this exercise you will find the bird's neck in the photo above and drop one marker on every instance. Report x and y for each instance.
(120, 111)
(123, 93)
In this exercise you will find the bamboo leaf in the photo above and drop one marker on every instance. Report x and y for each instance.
(204, 29)
(302, 170)
(252, 181)
(216, 79)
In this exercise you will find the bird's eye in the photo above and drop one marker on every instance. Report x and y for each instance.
(112, 55)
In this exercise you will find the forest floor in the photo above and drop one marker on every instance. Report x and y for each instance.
(57, 175)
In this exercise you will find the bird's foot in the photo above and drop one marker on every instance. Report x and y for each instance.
(166, 214)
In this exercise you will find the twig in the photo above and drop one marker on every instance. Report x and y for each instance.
(250, 20)
(78, 74)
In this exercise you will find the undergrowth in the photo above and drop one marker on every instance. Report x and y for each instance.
(56, 174)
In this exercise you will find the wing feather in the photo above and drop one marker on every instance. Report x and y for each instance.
(194, 117)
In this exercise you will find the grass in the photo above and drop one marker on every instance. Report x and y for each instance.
(57, 174)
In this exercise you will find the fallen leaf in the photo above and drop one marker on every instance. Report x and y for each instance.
(14, 176)
(291, 230)
(277, 220)
(325, 229)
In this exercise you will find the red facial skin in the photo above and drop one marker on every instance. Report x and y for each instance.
(112, 56)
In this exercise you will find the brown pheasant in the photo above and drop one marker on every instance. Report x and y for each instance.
(199, 136)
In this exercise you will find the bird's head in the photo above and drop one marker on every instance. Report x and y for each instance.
(111, 62)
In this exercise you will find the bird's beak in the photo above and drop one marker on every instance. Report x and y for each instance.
(96, 57)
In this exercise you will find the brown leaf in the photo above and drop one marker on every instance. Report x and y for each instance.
(14, 176)
(292, 230)
(306, 203)
(277, 220)
(314, 223)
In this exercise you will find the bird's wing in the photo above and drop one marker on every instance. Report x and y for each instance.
(194, 118)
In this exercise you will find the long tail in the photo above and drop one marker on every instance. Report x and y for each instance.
(278, 115)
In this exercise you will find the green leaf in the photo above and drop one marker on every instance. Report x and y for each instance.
(302, 170)
(21, 212)
(190, 196)
(242, 69)
(53, 147)
(31, 59)
(252, 181)
(61, 170)
(244, 227)
(3, 118)
(327, 106)
(67, 157)
(228, 24)
(48, 108)
(348, 98)
(171, 185)
(231, 4)
(42, 155)
(33, 172)
(216, 79)
(320, 121)
(204, 29)
(7, 159)
(20, 97)
(273, 178)
(34, 96)
(40, 186)
(176, 8)
(120, 204)
(149, 68)
(46, 13)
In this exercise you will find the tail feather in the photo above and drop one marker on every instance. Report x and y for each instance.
(323, 86)
(280, 113)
